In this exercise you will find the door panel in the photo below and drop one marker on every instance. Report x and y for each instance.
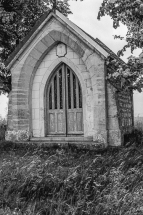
(56, 104)
(74, 104)
(60, 122)
(79, 121)
(64, 101)
(52, 122)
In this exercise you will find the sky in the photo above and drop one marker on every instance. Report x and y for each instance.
(85, 16)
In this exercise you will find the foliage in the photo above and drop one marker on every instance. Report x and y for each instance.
(125, 76)
(134, 138)
(129, 13)
(3, 124)
(17, 17)
(5, 79)
(58, 181)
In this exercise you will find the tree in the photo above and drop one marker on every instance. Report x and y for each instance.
(129, 13)
(17, 17)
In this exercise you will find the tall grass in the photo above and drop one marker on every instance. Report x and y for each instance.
(70, 181)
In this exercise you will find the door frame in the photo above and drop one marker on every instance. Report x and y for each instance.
(46, 127)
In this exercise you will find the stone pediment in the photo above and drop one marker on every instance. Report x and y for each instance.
(40, 26)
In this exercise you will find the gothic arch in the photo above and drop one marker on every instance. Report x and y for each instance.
(46, 79)
(34, 59)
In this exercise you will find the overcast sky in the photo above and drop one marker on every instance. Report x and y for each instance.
(85, 16)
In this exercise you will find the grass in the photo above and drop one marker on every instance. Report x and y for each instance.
(71, 181)
(42, 180)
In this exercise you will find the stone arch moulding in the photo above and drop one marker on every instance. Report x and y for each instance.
(45, 81)
(34, 59)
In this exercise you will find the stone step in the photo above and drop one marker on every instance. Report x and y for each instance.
(62, 139)
(83, 143)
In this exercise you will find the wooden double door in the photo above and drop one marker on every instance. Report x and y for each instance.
(64, 103)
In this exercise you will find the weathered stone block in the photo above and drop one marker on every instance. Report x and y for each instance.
(85, 75)
(88, 82)
(112, 110)
(48, 41)
(100, 136)
(31, 61)
(38, 79)
(113, 123)
(115, 138)
(70, 55)
(87, 53)
(35, 54)
(64, 38)
(35, 103)
(36, 86)
(55, 35)
(20, 135)
(41, 47)
(36, 124)
(35, 94)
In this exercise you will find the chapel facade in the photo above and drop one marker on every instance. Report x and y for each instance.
(59, 88)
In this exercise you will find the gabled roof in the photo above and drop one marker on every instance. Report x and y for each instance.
(96, 43)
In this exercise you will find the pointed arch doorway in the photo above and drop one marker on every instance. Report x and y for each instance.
(64, 107)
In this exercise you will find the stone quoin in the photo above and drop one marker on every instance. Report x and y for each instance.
(59, 87)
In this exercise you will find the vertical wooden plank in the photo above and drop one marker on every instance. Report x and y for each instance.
(77, 93)
(80, 94)
(49, 103)
(60, 124)
(72, 96)
(67, 101)
(79, 121)
(51, 122)
(64, 97)
(71, 121)
(58, 91)
(53, 102)
(66, 88)
(63, 87)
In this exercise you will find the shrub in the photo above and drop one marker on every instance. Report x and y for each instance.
(134, 138)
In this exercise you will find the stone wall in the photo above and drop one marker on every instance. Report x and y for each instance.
(120, 114)
(114, 132)
(125, 110)
(30, 73)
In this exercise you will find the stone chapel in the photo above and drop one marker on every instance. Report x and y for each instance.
(59, 88)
